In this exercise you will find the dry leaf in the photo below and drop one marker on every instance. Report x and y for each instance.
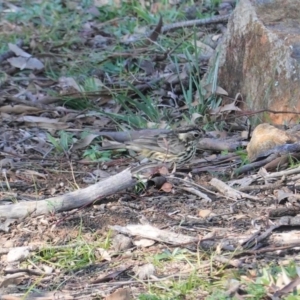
(14, 280)
(230, 107)
(196, 116)
(282, 279)
(17, 254)
(204, 213)
(26, 63)
(114, 3)
(163, 171)
(217, 37)
(144, 272)
(35, 119)
(69, 83)
(121, 294)
(144, 243)
(31, 174)
(205, 49)
(101, 173)
(104, 254)
(47, 269)
(18, 51)
(147, 66)
(84, 142)
(167, 187)
(157, 30)
(218, 90)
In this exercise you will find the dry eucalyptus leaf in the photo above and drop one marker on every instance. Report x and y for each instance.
(47, 269)
(51, 128)
(196, 116)
(157, 30)
(18, 51)
(203, 213)
(209, 88)
(144, 243)
(17, 254)
(246, 181)
(114, 3)
(205, 49)
(163, 171)
(282, 280)
(35, 119)
(26, 63)
(145, 271)
(14, 279)
(18, 109)
(104, 254)
(69, 82)
(230, 107)
(167, 187)
(31, 174)
(217, 37)
(147, 66)
(101, 174)
(84, 142)
(121, 294)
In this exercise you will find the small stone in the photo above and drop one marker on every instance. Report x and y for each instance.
(121, 242)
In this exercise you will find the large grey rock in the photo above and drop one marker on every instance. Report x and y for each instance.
(260, 57)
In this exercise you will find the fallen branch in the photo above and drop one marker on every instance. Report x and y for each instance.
(79, 198)
(153, 233)
(198, 22)
(228, 191)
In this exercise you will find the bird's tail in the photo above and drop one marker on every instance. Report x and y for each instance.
(113, 146)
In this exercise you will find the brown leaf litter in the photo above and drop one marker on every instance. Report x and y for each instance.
(54, 200)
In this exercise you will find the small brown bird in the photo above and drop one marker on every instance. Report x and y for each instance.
(177, 146)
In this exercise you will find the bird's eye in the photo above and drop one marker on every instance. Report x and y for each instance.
(196, 134)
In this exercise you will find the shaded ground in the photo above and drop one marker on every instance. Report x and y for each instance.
(86, 76)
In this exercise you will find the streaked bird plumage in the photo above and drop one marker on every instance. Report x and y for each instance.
(177, 146)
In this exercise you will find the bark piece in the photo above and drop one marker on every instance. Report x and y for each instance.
(71, 200)
(261, 57)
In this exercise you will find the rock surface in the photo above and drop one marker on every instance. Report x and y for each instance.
(260, 57)
(266, 137)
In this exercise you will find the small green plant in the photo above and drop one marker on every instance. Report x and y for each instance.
(94, 154)
(79, 254)
(293, 162)
(218, 295)
(63, 143)
(257, 291)
(140, 186)
(138, 111)
(148, 297)
(185, 286)
(243, 155)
